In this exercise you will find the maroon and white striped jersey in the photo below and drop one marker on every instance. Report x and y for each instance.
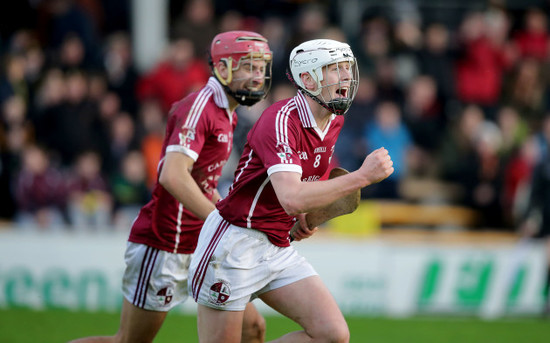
(285, 138)
(200, 126)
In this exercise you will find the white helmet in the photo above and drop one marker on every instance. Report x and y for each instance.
(310, 57)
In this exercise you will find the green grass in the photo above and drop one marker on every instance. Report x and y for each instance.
(58, 326)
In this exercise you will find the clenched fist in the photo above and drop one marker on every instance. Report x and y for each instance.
(377, 166)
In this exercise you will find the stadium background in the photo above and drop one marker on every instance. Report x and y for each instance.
(456, 90)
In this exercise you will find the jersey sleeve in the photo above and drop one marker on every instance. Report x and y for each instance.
(188, 133)
(275, 142)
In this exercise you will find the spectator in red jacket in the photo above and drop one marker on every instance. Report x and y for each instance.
(479, 69)
(532, 40)
(174, 77)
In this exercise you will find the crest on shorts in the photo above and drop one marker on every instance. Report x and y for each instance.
(219, 292)
(165, 295)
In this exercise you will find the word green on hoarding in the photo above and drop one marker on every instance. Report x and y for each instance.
(57, 288)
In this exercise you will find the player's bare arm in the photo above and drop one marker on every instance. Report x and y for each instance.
(176, 178)
(297, 197)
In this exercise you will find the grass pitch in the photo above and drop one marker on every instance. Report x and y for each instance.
(58, 326)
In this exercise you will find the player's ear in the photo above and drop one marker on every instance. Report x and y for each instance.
(222, 70)
(308, 81)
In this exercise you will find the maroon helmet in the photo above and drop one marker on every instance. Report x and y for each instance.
(232, 48)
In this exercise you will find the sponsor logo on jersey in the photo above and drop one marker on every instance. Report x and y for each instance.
(320, 149)
(165, 295)
(311, 178)
(302, 155)
(219, 292)
(223, 137)
(216, 165)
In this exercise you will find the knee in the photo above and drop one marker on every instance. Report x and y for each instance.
(254, 331)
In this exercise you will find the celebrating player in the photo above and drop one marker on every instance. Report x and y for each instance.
(198, 142)
(244, 249)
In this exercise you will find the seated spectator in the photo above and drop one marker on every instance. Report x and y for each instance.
(12, 80)
(387, 130)
(90, 202)
(130, 189)
(122, 140)
(40, 192)
(526, 91)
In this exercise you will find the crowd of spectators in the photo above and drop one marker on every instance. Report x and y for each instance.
(462, 102)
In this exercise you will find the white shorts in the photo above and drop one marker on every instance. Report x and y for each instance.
(154, 279)
(233, 265)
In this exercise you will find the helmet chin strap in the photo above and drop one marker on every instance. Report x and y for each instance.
(245, 98)
(337, 106)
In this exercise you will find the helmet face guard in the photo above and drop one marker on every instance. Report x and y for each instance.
(234, 48)
(311, 57)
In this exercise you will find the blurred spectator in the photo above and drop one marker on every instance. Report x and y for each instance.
(388, 130)
(75, 125)
(109, 107)
(18, 130)
(71, 54)
(374, 41)
(488, 184)
(407, 42)
(514, 131)
(231, 21)
(532, 39)
(526, 91)
(179, 74)
(481, 64)
(386, 78)
(152, 122)
(311, 19)
(50, 96)
(90, 201)
(60, 19)
(97, 86)
(129, 188)
(423, 113)
(197, 24)
(517, 180)
(274, 30)
(122, 140)
(40, 191)
(436, 59)
(13, 82)
(121, 73)
(458, 162)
